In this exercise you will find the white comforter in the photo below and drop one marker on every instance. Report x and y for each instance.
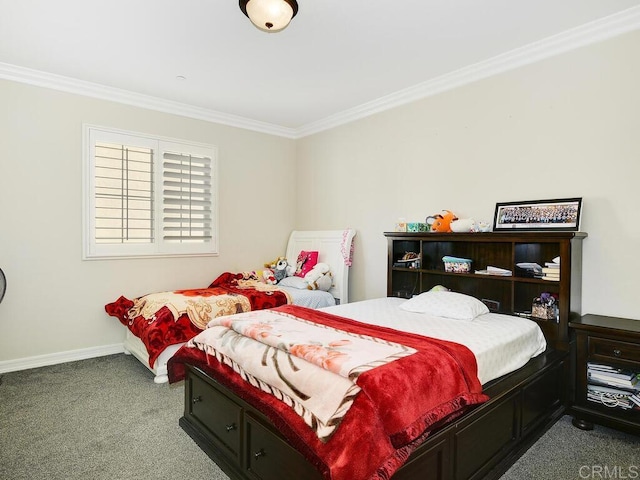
(501, 343)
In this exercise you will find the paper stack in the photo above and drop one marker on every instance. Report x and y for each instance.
(501, 272)
(613, 387)
(607, 375)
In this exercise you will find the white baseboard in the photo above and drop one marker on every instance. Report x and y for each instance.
(61, 357)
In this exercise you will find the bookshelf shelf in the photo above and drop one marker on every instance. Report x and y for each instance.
(508, 294)
(607, 350)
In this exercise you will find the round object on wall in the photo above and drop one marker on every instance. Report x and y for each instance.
(3, 284)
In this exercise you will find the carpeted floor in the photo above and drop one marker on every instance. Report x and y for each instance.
(566, 453)
(97, 419)
(104, 418)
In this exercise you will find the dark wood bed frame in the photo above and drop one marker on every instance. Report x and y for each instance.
(482, 444)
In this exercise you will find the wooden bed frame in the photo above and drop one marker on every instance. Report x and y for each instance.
(331, 245)
(481, 444)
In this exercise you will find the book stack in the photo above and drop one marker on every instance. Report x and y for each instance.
(613, 387)
(551, 270)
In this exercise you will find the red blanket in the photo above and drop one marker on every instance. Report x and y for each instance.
(166, 328)
(393, 414)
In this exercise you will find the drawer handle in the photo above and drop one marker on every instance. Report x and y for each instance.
(196, 399)
(617, 352)
(231, 427)
(259, 453)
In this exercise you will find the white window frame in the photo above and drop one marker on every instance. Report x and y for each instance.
(158, 247)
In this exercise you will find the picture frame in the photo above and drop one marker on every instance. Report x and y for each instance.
(538, 215)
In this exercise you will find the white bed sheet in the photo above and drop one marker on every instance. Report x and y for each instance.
(500, 343)
(309, 298)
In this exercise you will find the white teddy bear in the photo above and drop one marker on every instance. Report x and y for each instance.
(319, 277)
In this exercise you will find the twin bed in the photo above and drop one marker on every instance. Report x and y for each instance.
(159, 324)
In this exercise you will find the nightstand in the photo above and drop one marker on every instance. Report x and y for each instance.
(613, 345)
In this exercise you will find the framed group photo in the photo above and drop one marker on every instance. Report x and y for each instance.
(537, 215)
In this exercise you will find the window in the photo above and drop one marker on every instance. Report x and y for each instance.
(148, 196)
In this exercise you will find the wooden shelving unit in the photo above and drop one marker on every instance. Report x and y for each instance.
(513, 294)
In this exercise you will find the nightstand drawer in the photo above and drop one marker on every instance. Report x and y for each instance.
(613, 349)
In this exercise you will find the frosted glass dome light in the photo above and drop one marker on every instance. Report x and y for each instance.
(269, 15)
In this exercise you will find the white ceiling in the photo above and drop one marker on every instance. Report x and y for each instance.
(337, 60)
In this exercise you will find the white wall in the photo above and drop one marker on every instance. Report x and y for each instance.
(55, 301)
(568, 126)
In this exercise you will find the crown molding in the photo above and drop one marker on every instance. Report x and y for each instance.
(593, 32)
(102, 92)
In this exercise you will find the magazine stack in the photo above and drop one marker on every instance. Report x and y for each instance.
(613, 387)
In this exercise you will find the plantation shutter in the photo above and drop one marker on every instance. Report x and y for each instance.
(123, 196)
(147, 196)
(187, 198)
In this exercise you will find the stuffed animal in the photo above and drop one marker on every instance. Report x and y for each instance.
(483, 227)
(319, 277)
(267, 276)
(280, 270)
(463, 225)
(324, 283)
(441, 222)
(273, 264)
(291, 269)
(439, 288)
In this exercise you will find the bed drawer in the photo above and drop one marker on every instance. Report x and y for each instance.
(497, 429)
(271, 458)
(543, 396)
(220, 417)
(613, 349)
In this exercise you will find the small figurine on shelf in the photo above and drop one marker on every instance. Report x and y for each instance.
(401, 225)
(545, 306)
(408, 260)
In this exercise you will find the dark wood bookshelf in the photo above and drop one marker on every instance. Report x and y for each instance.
(511, 294)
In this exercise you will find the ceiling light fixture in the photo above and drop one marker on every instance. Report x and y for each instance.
(269, 15)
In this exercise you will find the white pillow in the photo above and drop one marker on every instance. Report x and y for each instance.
(294, 282)
(446, 304)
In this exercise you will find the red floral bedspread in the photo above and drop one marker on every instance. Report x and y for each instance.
(160, 324)
(399, 404)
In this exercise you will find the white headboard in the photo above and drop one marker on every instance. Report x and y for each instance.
(334, 249)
